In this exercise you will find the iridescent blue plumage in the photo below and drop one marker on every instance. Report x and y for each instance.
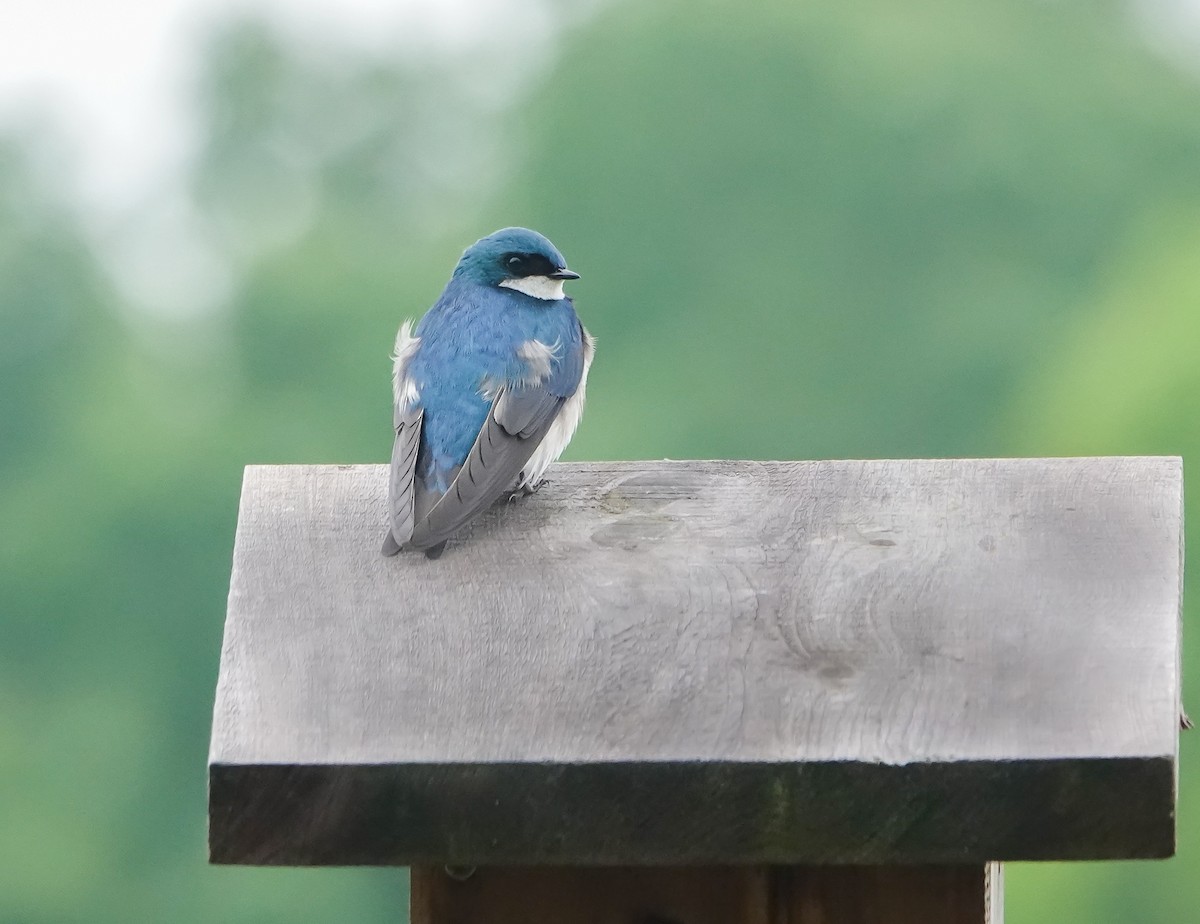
(488, 390)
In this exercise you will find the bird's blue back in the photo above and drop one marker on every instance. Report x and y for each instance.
(470, 336)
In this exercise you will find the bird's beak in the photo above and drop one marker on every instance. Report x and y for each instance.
(563, 273)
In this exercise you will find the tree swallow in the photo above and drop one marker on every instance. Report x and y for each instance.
(487, 391)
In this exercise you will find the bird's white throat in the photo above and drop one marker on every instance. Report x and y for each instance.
(538, 286)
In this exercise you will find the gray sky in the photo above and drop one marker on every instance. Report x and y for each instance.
(114, 80)
(115, 75)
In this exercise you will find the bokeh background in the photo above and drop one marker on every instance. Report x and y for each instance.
(806, 230)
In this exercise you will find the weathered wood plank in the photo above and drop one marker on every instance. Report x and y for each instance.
(886, 895)
(582, 895)
(708, 895)
(708, 662)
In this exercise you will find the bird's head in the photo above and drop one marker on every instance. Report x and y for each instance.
(518, 259)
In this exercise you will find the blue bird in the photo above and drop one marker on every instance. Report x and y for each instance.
(487, 391)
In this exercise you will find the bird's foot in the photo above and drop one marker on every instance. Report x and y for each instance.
(526, 490)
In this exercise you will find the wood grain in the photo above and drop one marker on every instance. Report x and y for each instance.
(709, 895)
(708, 662)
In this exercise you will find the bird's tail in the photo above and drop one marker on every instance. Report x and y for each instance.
(424, 499)
(390, 545)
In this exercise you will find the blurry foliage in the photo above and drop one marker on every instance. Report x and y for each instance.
(805, 231)
(852, 231)
(1125, 380)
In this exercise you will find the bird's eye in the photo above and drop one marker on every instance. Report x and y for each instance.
(513, 261)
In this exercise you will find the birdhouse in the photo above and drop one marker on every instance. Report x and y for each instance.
(701, 692)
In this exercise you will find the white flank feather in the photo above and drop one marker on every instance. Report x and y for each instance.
(563, 428)
(538, 356)
(404, 389)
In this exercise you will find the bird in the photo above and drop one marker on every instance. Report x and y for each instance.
(487, 390)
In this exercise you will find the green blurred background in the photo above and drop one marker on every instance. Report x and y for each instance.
(830, 229)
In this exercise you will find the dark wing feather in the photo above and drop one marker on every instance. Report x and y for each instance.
(516, 424)
(401, 487)
(523, 412)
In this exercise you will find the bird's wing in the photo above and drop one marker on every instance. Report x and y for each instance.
(407, 418)
(401, 486)
(515, 425)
